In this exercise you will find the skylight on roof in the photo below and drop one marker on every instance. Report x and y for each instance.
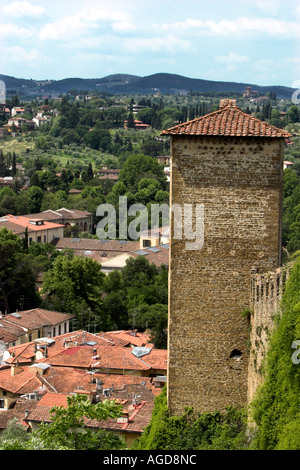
(16, 315)
(153, 249)
(140, 351)
(141, 253)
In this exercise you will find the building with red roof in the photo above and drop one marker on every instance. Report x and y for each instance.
(39, 231)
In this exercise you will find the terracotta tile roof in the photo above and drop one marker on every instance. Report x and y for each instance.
(21, 383)
(19, 223)
(41, 412)
(25, 353)
(160, 257)
(60, 214)
(22, 354)
(91, 353)
(227, 121)
(157, 359)
(139, 414)
(69, 379)
(9, 332)
(106, 357)
(18, 411)
(108, 177)
(126, 338)
(11, 226)
(37, 318)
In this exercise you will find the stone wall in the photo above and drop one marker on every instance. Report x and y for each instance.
(239, 182)
(265, 297)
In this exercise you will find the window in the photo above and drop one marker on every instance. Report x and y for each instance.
(146, 243)
(39, 239)
(1, 403)
(44, 238)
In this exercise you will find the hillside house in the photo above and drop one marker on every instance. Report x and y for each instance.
(164, 159)
(6, 181)
(39, 231)
(14, 383)
(108, 173)
(138, 125)
(66, 218)
(16, 111)
(287, 164)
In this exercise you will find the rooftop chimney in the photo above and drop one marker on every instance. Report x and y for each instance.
(226, 102)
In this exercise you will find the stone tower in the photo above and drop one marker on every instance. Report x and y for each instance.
(232, 164)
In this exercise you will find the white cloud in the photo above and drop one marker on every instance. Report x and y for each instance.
(188, 24)
(170, 44)
(256, 25)
(232, 58)
(123, 26)
(13, 31)
(85, 21)
(239, 26)
(95, 57)
(17, 54)
(20, 9)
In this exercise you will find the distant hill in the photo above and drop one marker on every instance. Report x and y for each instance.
(133, 84)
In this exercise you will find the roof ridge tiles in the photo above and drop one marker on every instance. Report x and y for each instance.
(229, 120)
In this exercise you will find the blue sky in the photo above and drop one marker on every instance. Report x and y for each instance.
(254, 41)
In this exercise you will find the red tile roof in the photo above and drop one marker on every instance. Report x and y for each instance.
(9, 332)
(18, 411)
(23, 382)
(36, 318)
(139, 414)
(126, 338)
(227, 121)
(69, 379)
(22, 221)
(60, 214)
(107, 354)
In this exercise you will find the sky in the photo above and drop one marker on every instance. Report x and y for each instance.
(249, 41)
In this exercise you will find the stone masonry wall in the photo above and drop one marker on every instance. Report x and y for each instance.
(266, 293)
(239, 181)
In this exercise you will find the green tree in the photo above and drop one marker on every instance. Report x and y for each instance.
(140, 166)
(190, 431)
(290, 181)
(14, 432)
(68, 429)
(74, 284)
(18, 272)
(35, 199)
(90, 173)
(130, 121)
(293, 113)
